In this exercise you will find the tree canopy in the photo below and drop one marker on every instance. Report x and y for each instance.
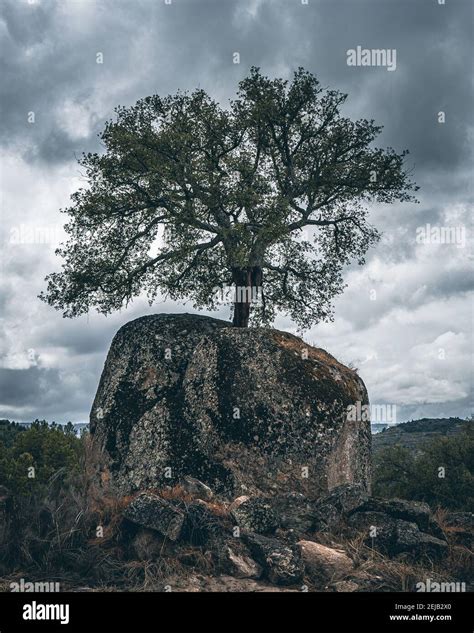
(269, 193)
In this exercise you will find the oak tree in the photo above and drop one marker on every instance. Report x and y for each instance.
(270, 193)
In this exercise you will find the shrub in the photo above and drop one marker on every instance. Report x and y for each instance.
(8, 432)
(37, 454)
(442, 474)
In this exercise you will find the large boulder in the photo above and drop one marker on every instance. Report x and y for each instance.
(254, 411)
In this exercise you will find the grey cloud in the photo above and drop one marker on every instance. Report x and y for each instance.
(49, 66)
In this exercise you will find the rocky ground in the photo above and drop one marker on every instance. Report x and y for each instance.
(345, 542)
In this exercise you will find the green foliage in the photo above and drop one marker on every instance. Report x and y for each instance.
(272, 189)
(8, 432)
(38, 454)
(442, 474)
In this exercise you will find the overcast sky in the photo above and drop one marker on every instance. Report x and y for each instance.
(411, 339)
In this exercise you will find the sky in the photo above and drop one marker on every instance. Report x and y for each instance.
(405, 319)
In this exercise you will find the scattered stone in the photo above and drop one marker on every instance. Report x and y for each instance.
(460, 528)
(255, 515)
(223, 584)
(151, 511)
(197, 489)
(282, 563)
(331, 510)
(377, 528)
(295, 511)
(325, 564)
(242, 565)
(410, 540)
(412, 511)
(395, 536)
(237, 502)
(361, 581)
(345, 586)
(463, 520)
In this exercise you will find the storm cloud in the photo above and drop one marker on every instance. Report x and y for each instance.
(405, 319)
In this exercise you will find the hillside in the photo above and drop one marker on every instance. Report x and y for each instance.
(413, 435)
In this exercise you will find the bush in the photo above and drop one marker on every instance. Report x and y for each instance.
(442, 474)
(8, 432)
(36, 454)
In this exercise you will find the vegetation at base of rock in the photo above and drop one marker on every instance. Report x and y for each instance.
(30, 457)
(441, 473)
(52, 531)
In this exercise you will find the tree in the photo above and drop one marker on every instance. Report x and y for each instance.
(442, 473)
(267, 196)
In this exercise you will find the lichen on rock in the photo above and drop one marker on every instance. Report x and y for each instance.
(254, 410)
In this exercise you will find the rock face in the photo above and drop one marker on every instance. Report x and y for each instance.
(254, 411)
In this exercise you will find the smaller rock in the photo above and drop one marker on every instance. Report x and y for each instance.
(197, 489)
(396, 536)
(410, 540)
(460, 528)
(255, 515)
(345, 586)
(242, 566)
(325, 564)
(378, 529)
(463, 520)
(282, 563)
(334, 507)
(412, 511)
(362, 581)
(151, 511)
(237, 502)
(296, 512)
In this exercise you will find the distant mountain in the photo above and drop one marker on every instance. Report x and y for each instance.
(414, 434)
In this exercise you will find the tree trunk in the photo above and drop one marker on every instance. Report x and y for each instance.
(248, 282)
